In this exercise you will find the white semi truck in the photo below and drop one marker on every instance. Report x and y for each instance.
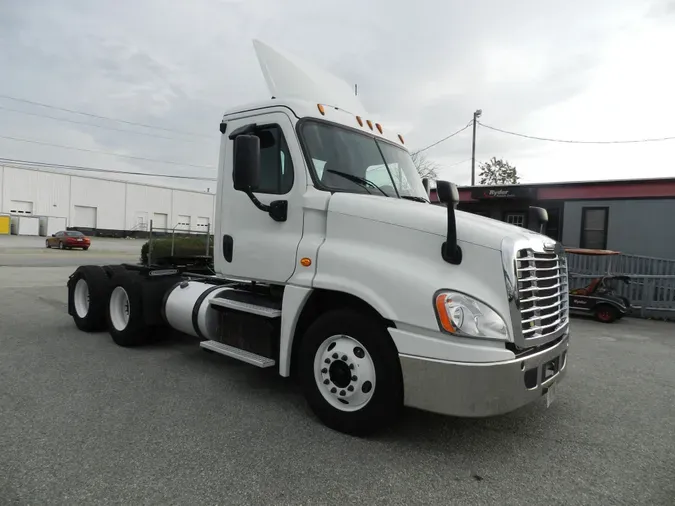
(331, 265)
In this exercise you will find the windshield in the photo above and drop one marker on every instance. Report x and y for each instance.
(350, 161)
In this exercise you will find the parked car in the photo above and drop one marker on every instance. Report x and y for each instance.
(68, 239)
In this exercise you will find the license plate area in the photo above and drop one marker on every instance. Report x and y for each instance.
(550, 369)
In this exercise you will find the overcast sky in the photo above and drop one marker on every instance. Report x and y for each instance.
(579, 69)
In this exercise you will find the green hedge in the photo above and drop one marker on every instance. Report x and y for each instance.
(183, 246)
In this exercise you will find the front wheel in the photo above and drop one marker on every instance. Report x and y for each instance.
(351, 373)
(606, 313)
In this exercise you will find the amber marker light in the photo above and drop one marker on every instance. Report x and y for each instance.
(442, 312)
(306, 262)
(321, 109)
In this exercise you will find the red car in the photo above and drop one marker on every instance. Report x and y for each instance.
(68, 239)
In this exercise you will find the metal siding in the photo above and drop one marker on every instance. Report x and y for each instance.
(635, 227)
(117, 202)
(191, 204)
(146, 200)
(106, 196)
(48, 192)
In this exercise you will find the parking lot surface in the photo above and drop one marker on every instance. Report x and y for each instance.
(83, 421)
(31, 251)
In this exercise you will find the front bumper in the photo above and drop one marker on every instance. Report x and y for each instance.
(482, 389)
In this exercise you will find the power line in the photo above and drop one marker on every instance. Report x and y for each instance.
(131, 157)
(47, 165)
(73, 111)
(458, 163)
(657, 139)
(135, 132)
(444, 138)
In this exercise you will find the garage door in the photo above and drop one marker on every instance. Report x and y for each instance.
(183, 222)
(85, 217)
(202, 223)
(160, 221)
(20, 207)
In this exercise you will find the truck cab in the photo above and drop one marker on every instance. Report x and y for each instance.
(332, 266)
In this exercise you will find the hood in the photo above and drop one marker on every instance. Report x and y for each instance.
(471, 228)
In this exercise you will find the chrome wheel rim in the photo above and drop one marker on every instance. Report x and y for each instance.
(120, 310)
(344, 373)
(81, 298)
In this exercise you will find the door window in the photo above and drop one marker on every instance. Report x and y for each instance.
(276, 165)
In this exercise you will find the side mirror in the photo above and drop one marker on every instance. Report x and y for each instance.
(538, 218)
(448, 194)
(53, 235)
(246, 170)
(425, 183)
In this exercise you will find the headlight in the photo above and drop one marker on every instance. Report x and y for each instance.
(464, 316)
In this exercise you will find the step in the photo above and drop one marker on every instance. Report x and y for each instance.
(239, 354)
(246, 307)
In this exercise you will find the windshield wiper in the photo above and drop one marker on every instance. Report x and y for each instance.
(358, 180)
(416, 199)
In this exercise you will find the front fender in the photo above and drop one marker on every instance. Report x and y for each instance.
(397, 270)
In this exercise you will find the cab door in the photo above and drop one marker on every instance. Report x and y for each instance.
(255, 246)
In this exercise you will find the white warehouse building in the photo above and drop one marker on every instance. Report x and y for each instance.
(98, 206)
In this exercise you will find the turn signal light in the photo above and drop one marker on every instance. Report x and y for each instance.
(306, 262)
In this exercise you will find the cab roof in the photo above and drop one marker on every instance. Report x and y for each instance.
(305, 109)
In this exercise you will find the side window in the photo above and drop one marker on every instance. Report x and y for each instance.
(594, 227)
(276, 164)
(59, 234)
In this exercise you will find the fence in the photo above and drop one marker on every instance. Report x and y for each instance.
(652, 287)
(165, 244)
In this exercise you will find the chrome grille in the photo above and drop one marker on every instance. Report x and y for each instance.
(542, 292)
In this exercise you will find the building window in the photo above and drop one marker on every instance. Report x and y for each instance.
(517, 219)
(594, 227)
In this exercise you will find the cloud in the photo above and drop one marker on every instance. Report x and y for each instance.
(554, 69)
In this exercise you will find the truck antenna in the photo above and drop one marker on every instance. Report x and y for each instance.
(356, 90)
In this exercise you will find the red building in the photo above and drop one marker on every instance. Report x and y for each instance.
(632, 216)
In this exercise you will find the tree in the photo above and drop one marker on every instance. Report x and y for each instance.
(498, 171)
(425, 167)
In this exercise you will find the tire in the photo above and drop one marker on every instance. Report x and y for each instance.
(47, 245)
(88, 290)
(369, 400)
(606, 313)
(124, 314)
(85, 249)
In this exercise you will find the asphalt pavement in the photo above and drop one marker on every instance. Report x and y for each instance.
(83, 421)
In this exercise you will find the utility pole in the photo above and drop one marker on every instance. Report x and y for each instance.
(476, 115)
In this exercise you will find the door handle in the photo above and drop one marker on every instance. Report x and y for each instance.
(228, 247)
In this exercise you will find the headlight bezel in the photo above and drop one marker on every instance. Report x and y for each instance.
(471, 307)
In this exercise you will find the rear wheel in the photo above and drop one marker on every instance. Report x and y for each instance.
(606, 313)
(47, 245)
(124, 314)
(351, 373)
(87, 297)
